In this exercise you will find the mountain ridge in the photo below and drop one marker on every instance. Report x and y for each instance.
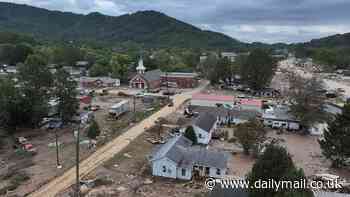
(149, 28)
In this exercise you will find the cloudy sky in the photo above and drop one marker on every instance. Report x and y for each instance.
(247, 20)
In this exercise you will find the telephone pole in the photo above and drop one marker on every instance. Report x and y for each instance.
(59, 166)
(77, 189)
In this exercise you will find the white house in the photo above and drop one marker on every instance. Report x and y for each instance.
(178, 159)
(280, 118)
(204, 127)
(229, 55)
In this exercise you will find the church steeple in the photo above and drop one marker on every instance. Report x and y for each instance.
(141, 68)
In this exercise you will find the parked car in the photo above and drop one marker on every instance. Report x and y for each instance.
(21, 143)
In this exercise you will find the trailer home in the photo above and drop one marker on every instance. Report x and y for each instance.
(119, 108)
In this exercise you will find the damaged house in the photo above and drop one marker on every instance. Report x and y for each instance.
(178, 159)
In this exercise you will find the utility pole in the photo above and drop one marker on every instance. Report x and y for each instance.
(59, 166)
(167, 85)
(77, 189)
(134, 108)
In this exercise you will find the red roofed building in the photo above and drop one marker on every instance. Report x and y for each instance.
(210, 100)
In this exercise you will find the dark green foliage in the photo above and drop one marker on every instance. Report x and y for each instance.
(191, 135)
(148, 28)
(11, 103)
(258, 69)
(250, 135)
(335, 144)
(93, 130)
(66, 93)
(35, 82)
(275, 163)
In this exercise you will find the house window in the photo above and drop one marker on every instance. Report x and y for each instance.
(169, 171)
(183, 172)
(200, 136)
(218, 171)
(207, 170)
(164, 169)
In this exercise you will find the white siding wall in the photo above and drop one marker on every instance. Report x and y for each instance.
(188, 175)
(203, 137)
(170, 167)
(282, 124)
(212, 173)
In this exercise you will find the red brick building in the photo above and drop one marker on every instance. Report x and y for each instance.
(183, 80)
(150, 80)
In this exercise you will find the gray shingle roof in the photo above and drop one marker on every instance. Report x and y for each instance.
(153, 75)
(223, 112)
(205, 121)
(180, 150)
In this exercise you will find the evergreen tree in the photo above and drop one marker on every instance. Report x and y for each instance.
(35, 82)
(191, 135)
(93, 130)
(274, 164)
(335, 144)
(66, 93)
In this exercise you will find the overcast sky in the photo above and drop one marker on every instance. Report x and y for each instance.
(247, 20)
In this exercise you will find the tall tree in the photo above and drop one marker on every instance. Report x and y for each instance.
(335, 144)
(11, 106)
(258, 69)
(307, 99)
(275, 164)
(120, 65)
(35, 81)
(250, 134)
(66, 93)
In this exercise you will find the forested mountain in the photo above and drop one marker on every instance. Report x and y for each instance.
(335, 41)
(149, 28)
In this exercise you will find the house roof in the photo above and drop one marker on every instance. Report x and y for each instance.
(279, 113)
(179, 149)
(223, 112)
(180, 74)
(153, 75)
(211, 97)
(251, 102)
(205, 122)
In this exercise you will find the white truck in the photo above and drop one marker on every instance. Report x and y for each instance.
(119, 108)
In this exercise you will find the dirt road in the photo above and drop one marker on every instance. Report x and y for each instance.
(109, 150)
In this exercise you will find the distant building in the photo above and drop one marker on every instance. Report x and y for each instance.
(178, 159)
(146, 80)
(280, 118)
(229, 55)
(227, 115)
(98, 82)
(208, 100)
(182, 80)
